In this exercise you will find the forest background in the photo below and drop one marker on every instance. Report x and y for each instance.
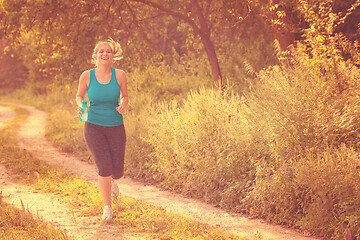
(249, 105)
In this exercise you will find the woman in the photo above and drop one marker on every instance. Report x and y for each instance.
(104, 131)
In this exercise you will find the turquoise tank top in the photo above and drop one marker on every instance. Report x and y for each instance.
(104, 98)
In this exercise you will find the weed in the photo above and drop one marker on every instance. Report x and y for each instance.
(21, 224)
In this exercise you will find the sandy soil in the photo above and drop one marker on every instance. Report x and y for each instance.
(31, 137)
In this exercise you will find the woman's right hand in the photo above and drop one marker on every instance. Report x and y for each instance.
(79, 112)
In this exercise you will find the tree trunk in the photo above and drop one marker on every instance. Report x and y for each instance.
(205, 36)
(214, 62)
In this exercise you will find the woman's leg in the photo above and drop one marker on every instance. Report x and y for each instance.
(117, 143)
(97, 142)
(105, 189)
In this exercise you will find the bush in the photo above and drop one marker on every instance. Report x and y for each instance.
(147, 88)
(203, 148)
(317, 191)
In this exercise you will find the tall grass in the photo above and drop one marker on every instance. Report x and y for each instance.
(308, 114)
(196, 147)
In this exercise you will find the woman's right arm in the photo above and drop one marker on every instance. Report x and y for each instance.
(82, 87)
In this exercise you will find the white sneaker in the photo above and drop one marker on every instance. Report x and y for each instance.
(114, 189)
(107, 215)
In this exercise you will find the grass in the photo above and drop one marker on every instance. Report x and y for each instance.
(130, 214)
(21, 224)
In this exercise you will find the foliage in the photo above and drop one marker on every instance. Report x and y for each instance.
(55, 39)
(316, 191)
(12, 71)
(68, 138)
(195, 147)
(307, 113)
(299, 114)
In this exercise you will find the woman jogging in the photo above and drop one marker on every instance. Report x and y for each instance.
(104, 130)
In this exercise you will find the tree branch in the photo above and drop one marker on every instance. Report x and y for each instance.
(172, 13)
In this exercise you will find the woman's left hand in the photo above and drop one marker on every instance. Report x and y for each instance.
(121, 109)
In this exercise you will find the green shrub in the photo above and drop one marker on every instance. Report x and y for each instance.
(203, 148)
(317, 191)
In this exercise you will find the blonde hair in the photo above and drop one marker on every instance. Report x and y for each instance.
(115, 47)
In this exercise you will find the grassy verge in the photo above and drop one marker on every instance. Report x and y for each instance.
(20, 223)
(129, 214)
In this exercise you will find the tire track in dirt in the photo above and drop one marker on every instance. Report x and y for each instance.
(33, 131)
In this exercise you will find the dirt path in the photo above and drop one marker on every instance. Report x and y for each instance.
(33, 132)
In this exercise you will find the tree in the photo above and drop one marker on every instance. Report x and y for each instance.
(198, 15)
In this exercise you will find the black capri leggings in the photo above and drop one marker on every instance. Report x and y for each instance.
(107, 146)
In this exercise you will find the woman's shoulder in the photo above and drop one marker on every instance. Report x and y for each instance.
(87, 72)
(119, 71)
(85, 75)
(120, 74)
(120, 77)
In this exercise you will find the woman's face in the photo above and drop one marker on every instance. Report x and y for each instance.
(104, 54)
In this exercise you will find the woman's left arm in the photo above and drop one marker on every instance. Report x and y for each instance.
(124, 97)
